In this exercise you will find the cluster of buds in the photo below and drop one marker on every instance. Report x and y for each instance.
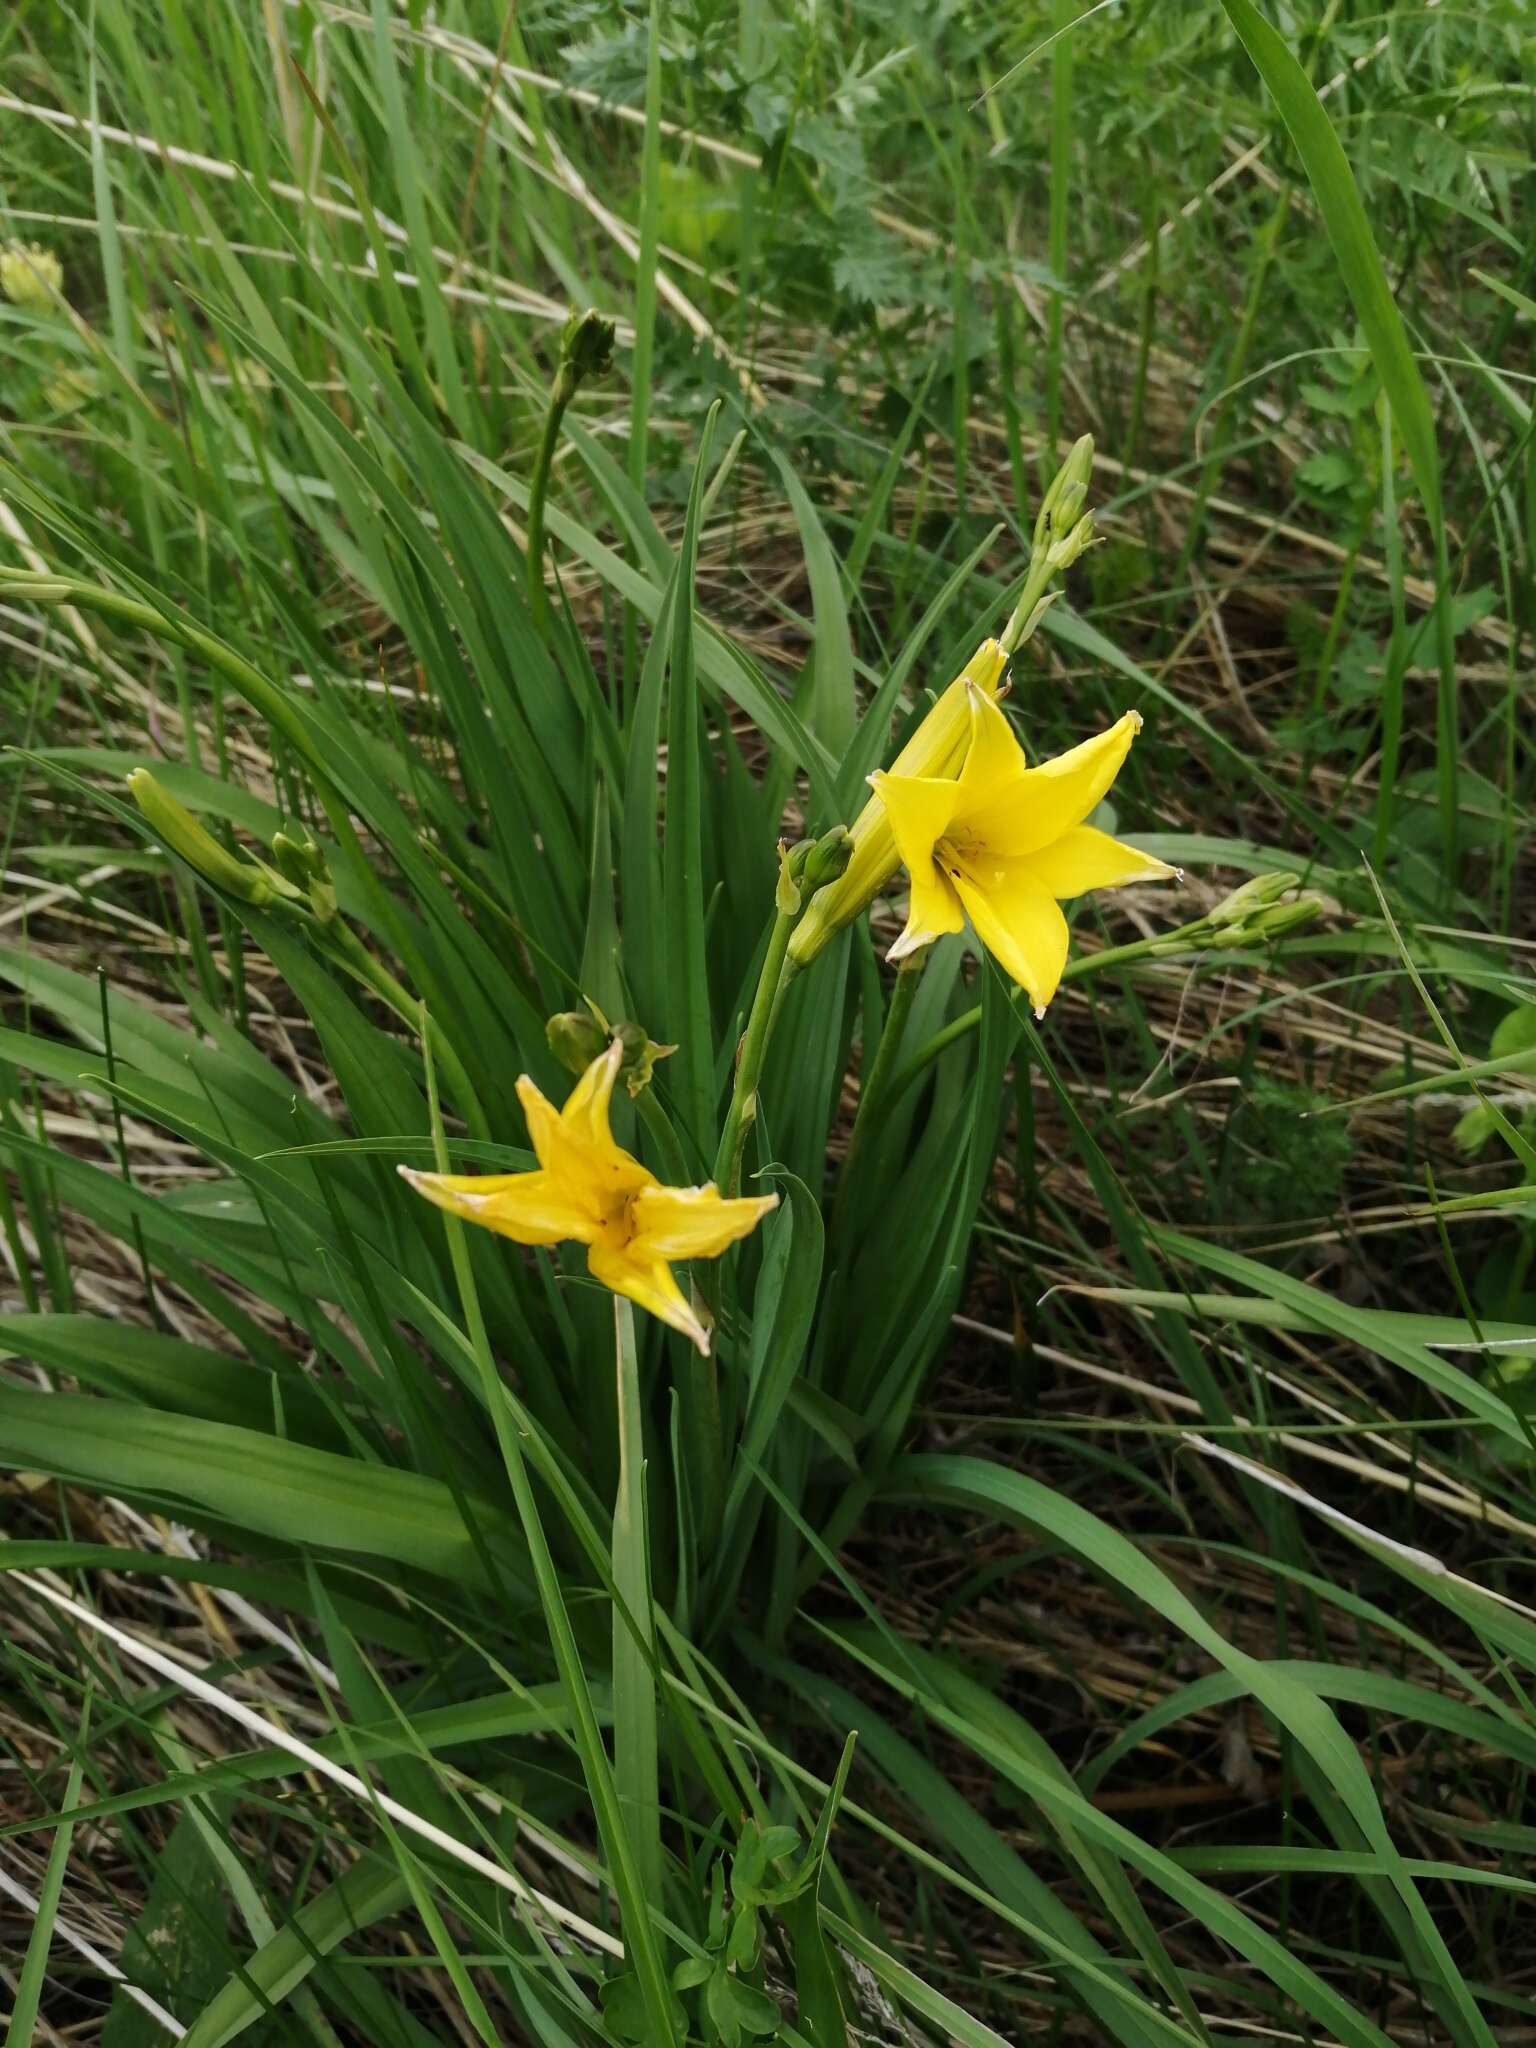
(302, 864)
(586, 350)
(578, 1037)
(1260, 910)
(1063, 530)
(809, 866)
(299, 881)
(31, 276)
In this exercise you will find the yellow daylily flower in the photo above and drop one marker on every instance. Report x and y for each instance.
(1003, 842)
(589, 1190)
(937, 748)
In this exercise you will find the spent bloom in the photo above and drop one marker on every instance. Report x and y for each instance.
(30, 275)
(588, 1190)
(1004, 844)
(937, 749)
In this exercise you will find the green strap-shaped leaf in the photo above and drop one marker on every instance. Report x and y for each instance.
(367, 1892)
(1349, 231)
(277, 1488)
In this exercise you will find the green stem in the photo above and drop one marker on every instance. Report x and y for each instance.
(635, 1905)
(739, 1118)
(634, 1685)
(1036, 582)
(561, 393)
(258, 690)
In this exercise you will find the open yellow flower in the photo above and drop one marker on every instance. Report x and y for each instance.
(1003, 842)
(588, 1189)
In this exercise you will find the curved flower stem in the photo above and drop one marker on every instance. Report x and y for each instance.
(771, 985)
(561, 392)
(1020, 627)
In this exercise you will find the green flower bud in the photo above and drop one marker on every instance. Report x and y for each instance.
(1281, 918)
(827, 859)
(303, 864)
(299, 861)
(1062, 553)
(185, 837)
(586, 346)
(578, 1037)
(1059, 507)
(1254, 894)
(575, 1037)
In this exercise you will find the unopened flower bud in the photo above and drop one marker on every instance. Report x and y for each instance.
(586, 348)
(827, 859)
(578, 1037)
(1062, 553)
(575, 1038)
(1281, 918)
(198, 848)
(1059, 507)
(1254, 894)
(303, 864)
(1064, 514)
(300, 861)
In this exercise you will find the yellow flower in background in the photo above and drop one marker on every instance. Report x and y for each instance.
(30, 275)
(589, 1190)
(1003, 842)
(68, 389)
(936, 749)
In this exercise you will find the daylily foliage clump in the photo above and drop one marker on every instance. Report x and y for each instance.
(982, 836)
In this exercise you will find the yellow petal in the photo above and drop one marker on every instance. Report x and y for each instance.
(530, 1208)
(575, 1145)
(650, 1283)
(1084, 859)
(1016, 918)
(933, 909)
(543, 1120)
(586, 1107)
(919, 808)
(995, 761)
(693, 1223)
(939, 743)
(1044, 802)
